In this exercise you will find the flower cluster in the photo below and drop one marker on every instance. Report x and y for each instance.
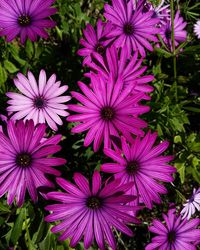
(109, 110)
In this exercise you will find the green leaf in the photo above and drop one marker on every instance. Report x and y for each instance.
(181, 170)
(177, 139)
(4, 209)
(29, 49)
(10, 67)
(17, 229)
(163, 52)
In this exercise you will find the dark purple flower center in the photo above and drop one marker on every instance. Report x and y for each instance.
(39, 102)
(100, 49)
(168, 33)
(191, 199)
(107, 113)
(128, 29)
(24, 20)
(23, 160)
(94, 202)
(132, 167)
(171, 236)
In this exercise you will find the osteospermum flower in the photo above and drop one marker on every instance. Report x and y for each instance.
(143, 164)
(180, 34)
(120, 64)
(95, 40)
(197, 29)
(134, 28)
(27, 18)
(40, 101)
(191, 205)
(175, 233)
(91, 212)
(24, 160)
(106, 111)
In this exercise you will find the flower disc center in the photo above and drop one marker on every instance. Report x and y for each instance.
(132, 167)
(100, 49)
(24, 20)
(23, 160)
(93, 202)
(39, 102)
(172, 236)
(107, 113)
(128, 29)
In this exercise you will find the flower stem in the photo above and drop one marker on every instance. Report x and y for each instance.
(173, 49)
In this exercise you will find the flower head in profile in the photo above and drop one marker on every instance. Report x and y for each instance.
(143, 164)
(175, 233)
(91, 212)
(106, 110)
(26, 18)
(131, 27)
(197, 29)
(95, 40)
(180, 34)
(120, 64)
(191, 205)
(25, 161)
(40, 101)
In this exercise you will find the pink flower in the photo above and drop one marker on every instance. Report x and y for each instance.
(106, 110)
(25, 160)
(142, 164)
(27, 18)
(91, 212)
(38, 101)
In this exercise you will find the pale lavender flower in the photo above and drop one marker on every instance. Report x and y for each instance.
(197, 29)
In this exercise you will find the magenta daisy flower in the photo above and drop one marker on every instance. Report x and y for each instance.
(191, 205)
(91, 212)
(120, 64)
(144, 165)
(95, 40)
(175, 234)
(180, 34)
(24, 160)
(27, 18)
(134, 28)
(107, 111)
(40, 101)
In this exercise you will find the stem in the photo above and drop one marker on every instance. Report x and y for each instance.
(173, 49)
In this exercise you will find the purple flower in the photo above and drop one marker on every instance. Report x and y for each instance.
(27, 18)
(120, 64)
(143, 164)
(24, 160)
(106, 111)
(94, 40)
(197, 29)
(134, 28)
(180, 34)
(38, 101)
(175, 234)
(191, 205)
(91, 212)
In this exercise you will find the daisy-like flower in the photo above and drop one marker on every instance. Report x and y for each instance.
(91, 212)
(120, 63)
(27, 18)
(197, 29)
(24, 160)
(95, 40)
(191, 205)
(134, 28)
(107, 111)
(175, 234)
(180, 34)
(40, 101)
(143, 164)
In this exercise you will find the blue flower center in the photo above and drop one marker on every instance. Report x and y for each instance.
(132, 167)
(24, 20)
(23, 160)
(128, 29)
(93, 202)
(107, 113)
